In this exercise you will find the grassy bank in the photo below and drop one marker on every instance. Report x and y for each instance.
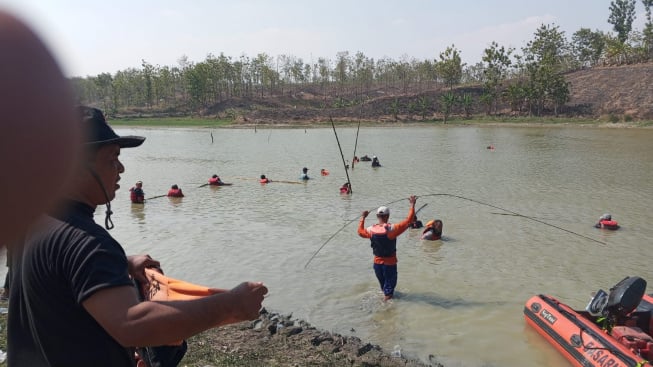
(457, 121)
(170, 122)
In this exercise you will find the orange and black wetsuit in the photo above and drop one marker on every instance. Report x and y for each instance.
(383, 238)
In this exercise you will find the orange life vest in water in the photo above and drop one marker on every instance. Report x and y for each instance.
(608, 224)
(215, 181)
(264, 181)
(175, 193)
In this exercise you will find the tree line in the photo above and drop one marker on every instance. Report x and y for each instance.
(530, 81)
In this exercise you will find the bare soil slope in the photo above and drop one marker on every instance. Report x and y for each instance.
(623, 90)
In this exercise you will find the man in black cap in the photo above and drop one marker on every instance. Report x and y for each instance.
(73, 302)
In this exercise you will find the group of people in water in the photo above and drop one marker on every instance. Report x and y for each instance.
(137, 195)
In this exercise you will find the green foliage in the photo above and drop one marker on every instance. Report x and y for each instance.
(648, 28)
(413, 108)
(622, 15)
(516, 94)
(348, 79)
(466, 101)
(487, 99)
(394, 108)
(423, 104)
(545, 57)
(450, 66)
(447, 102)
(613, 118)
(588, 45)
(497, 63)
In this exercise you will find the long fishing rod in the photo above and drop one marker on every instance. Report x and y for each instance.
(420, 208)
(520, 215)
(463, 198)
(353, 160)
(341, 155)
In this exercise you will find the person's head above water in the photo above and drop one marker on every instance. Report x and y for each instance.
(139, 183)
(304, 169)
(174, 187)
(262, 177)
(438, 225)
(214, 176)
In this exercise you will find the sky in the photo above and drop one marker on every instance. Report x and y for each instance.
(89, 37)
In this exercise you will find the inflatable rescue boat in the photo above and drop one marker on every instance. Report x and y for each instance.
(613, 331)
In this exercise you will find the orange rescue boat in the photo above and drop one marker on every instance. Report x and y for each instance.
(611, 332)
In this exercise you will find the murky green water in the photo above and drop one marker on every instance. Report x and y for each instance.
(460, 300)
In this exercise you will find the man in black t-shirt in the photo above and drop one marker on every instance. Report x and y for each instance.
(72, 299)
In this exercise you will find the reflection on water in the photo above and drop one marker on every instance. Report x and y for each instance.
(460, 299)
(138, 213)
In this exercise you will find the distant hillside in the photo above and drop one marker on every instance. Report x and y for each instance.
(620, 91)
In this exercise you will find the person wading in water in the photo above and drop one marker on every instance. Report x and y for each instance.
(383, 238)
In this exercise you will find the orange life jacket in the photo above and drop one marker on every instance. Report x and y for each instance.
(175, 193)
(264, 180)
(608, 224)
(215, 181)
(136, 197)
(163, 288)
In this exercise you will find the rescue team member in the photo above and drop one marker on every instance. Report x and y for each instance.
(136, 193)
(215, 181)
(432, 231)
(304, 175)
(606, 222)
(383, 236)
(73, 301)
(264, 180)
(175, 192)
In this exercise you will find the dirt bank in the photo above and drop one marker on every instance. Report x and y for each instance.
(273, 340)
(277, 340)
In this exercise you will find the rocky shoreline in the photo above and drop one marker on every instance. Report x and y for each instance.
(277, 340)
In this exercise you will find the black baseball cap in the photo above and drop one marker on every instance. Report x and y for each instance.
(98, 132)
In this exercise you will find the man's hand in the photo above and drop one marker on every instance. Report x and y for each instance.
(366, 213)
(412, 200)
(249, 297)
(138, 264)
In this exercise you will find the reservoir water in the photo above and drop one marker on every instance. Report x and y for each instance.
(460, 300)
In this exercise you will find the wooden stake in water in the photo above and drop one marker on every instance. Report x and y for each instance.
(341, 155)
